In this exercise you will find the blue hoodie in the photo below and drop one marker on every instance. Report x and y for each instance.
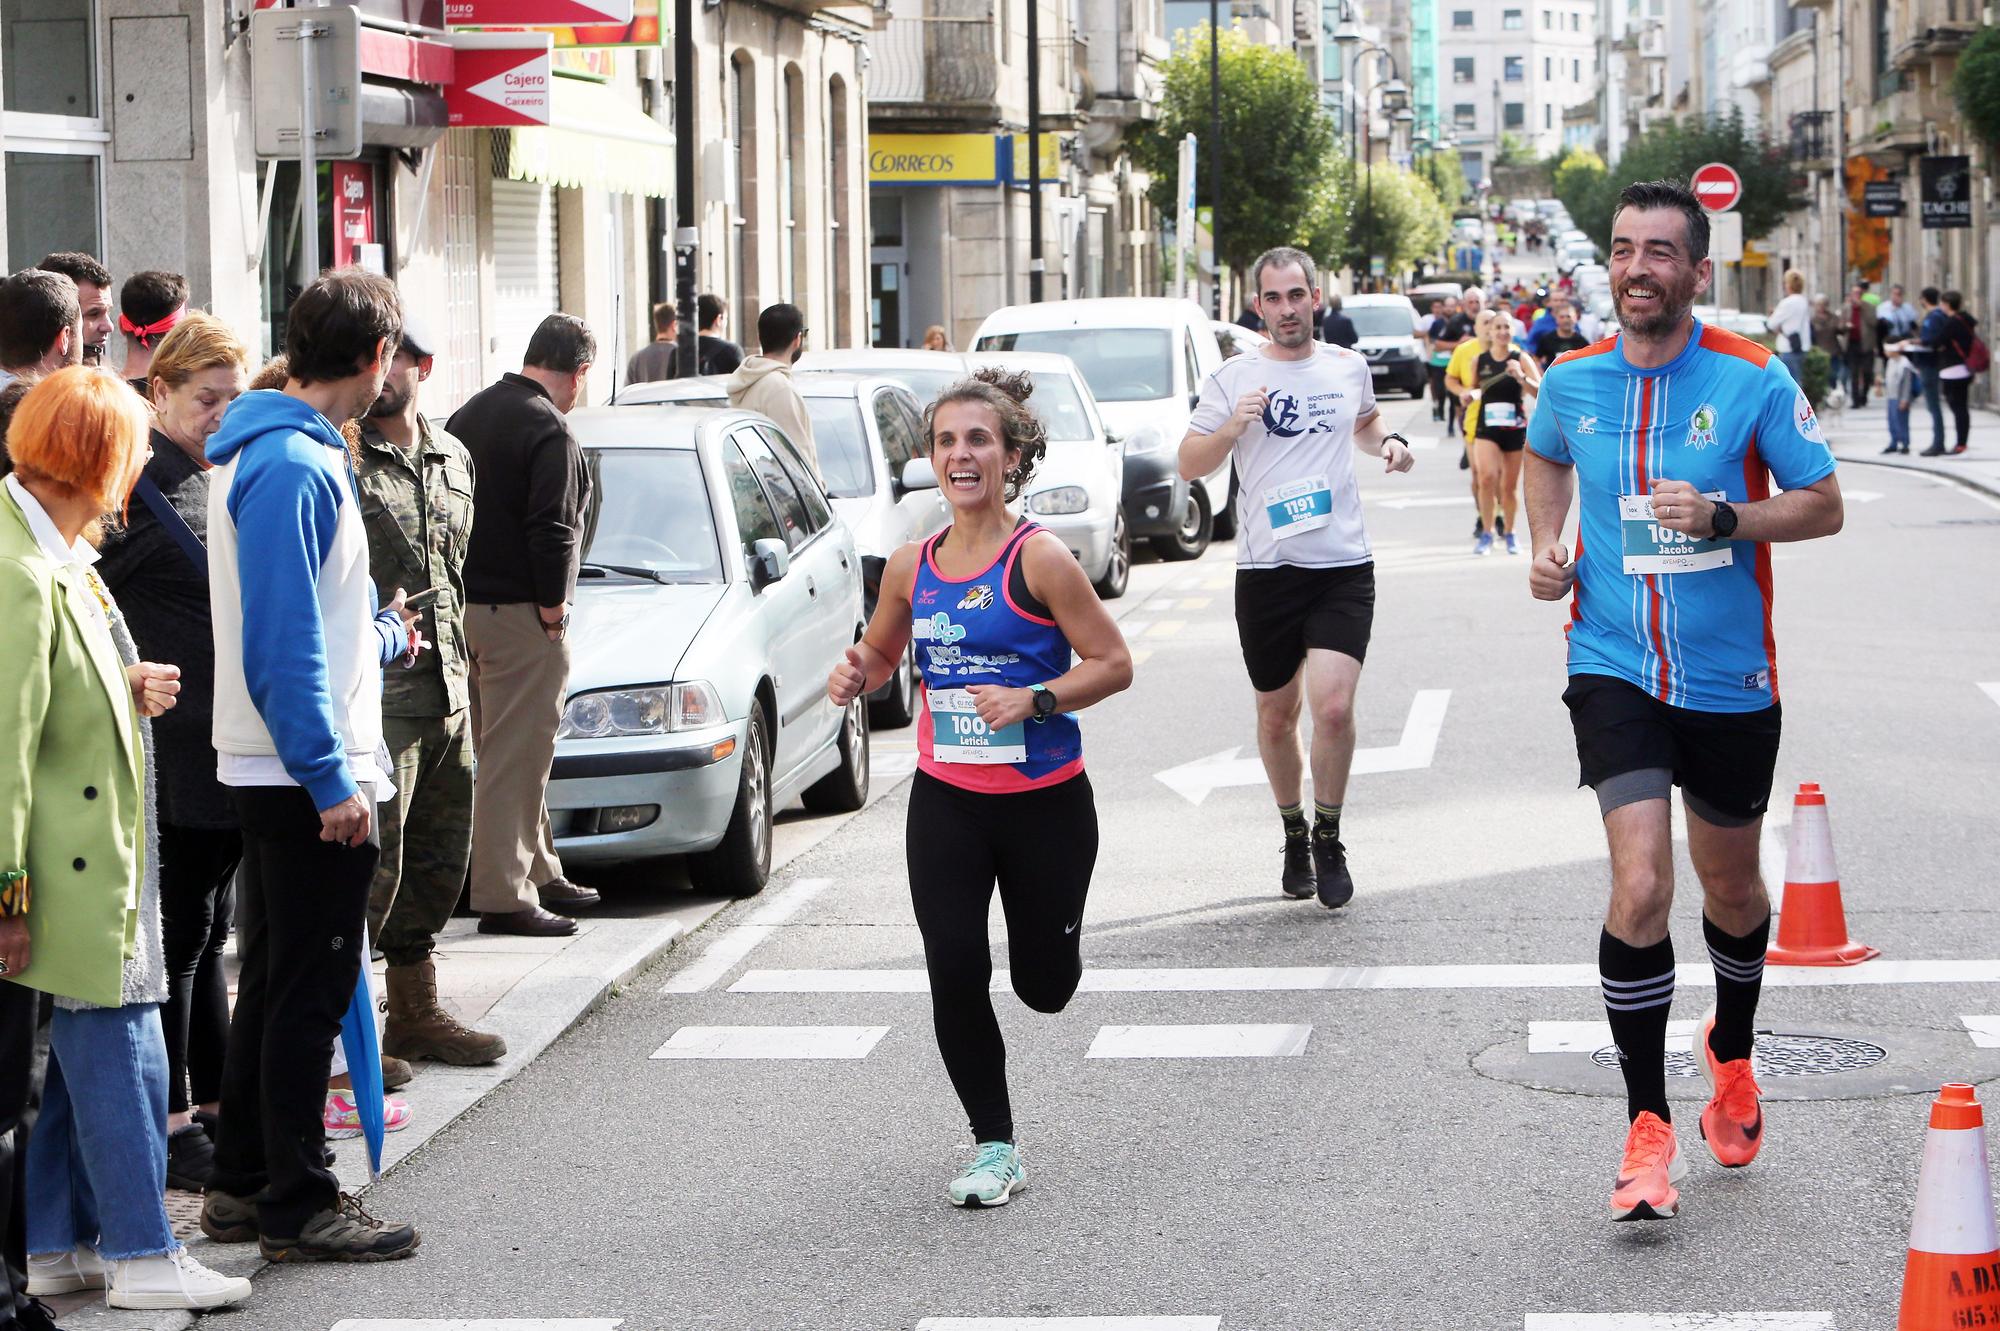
(299, 644)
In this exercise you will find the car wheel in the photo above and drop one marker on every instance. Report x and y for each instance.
(741, 864)
(1118, 569)
(900, 707)
(845, 788)
(1192, 538)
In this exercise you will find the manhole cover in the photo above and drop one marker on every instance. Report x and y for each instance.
(1779, 1056)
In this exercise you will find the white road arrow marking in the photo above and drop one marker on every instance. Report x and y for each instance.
(1992, 691)
(1193, 781)
(1422, 501)
(1860, 496)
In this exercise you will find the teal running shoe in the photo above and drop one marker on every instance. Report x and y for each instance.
(994, 1175)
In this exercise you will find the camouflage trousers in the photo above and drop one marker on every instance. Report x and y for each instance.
(426, 834)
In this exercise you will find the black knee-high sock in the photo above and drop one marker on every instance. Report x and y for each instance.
(1638, 990)
(1739, 978)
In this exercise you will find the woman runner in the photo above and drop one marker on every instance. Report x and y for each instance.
(998, 607)
(1506, 377)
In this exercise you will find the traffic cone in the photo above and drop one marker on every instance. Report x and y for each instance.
(1812, 926)
(1952, 1278)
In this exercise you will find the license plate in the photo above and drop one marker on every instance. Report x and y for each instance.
(1378, 369)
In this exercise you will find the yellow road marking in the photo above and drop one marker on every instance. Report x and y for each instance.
(1166, 628)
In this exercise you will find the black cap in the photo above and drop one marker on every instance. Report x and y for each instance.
(417, 338)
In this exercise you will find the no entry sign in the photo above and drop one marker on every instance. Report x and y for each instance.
(1718, 187)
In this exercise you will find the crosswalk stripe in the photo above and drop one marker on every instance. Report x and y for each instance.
(1985, 1031)
(1680, 1322)
(1243, 1041)
(1254, 979)
(479, 1324)
(772, 1042)
(1167, 628)
(1194, 603)
(725, 952)
(1070, 1324)
(1141, 655)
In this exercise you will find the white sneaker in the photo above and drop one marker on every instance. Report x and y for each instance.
(176, 1280)
(66, 1272)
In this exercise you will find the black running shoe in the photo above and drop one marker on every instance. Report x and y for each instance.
(1336, 885)
(190, 1158)
(1298, 879)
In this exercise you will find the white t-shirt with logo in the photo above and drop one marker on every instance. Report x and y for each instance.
(1297, 502)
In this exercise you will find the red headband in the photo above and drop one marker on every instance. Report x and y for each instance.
(147, 332)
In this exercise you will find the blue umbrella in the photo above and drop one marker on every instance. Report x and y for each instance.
(364, 1060)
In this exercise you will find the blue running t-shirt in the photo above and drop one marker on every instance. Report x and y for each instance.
(1687, 621)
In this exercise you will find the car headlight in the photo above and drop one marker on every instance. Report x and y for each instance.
(1145, 439)
(658, 710)
(1060, 499)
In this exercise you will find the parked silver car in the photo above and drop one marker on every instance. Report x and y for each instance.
(718, 589)
(866, 429)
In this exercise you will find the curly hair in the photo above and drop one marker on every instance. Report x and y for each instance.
(1005, 393)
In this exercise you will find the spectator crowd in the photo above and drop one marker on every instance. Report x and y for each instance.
(260, 622)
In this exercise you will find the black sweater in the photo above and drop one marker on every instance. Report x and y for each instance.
(528, 507)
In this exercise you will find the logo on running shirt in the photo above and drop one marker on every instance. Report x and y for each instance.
(943, 631)
(1804, 417)
(1281, 416)
(1586, 425)
(928, 596)
(1701, 426)
(979, 598)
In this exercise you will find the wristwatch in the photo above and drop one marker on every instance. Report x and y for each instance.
(1724, 521)
(1398, 438)
(1045, 702)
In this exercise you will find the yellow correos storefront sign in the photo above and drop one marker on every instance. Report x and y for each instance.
(933, 159)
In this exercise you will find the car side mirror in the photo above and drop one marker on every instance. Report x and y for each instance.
(770, 561)
(1194, 399)
(918, 474)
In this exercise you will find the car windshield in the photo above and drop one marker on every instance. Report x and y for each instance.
(1119, 364)
(1379, 320)
(842, 445)
(649, 510)
(1060, 406)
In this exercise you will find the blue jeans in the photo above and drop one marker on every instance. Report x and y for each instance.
(1795, 361)
(1899, 424)
(97, 1162)
(1927, 367)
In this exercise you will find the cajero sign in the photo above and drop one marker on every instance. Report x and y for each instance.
(933, 159)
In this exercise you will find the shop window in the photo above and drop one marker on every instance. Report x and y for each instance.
(53, 127)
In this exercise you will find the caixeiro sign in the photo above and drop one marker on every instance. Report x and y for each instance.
(500, 79)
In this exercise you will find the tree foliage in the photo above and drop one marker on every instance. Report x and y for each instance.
(1976, 85)
(1444, 172)
(1674, 150)
(1393, 213)
(1277, 141)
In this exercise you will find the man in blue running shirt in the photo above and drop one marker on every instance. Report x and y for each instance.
(1672, 433)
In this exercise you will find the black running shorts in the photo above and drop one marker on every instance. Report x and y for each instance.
(1282, 611)
(1722, 761)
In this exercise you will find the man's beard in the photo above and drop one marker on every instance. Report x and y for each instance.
(1298, 339)
(388, 403)
(1674, 307)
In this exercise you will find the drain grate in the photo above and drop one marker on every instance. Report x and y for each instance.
(1779, 1056)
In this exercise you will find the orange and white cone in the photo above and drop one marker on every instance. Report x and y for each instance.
(1952, 1278)
(1812, 924)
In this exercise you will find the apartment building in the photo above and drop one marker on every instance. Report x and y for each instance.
(1513, 67)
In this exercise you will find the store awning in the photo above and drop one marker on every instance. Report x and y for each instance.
(594, 139)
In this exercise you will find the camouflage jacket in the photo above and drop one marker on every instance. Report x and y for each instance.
(417, 508)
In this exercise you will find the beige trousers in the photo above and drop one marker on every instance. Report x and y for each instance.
(518, 680)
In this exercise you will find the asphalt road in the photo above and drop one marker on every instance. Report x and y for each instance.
(1412, 1164)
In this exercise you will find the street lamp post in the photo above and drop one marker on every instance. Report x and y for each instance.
(1215, 150)
(1394, 93)
(1034, 152)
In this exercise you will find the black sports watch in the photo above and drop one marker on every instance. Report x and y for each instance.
(1045, 702)
(1397, 436)
(1724, 520)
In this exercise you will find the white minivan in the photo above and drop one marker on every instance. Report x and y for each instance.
(1145, 359)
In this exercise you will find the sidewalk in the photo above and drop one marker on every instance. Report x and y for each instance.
(1859, 436)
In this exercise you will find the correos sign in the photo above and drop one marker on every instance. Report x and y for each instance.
(933, 159)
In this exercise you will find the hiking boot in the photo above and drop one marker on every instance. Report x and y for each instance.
(419, 1028)
(396, 1074)
(343, 1233)
(228, 1219)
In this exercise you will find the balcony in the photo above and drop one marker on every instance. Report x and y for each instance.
(1811, 144)
(943, 61)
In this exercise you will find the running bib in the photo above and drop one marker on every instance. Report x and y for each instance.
(1299, 507)
(959, 736)
(1651, 548)
(1500, 415)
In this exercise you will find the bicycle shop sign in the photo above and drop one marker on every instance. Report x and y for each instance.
(1947, 193)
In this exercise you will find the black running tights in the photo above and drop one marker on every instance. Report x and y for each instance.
(1039, 846)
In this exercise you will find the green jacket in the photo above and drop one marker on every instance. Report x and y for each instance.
(71, 777)
(418, 513)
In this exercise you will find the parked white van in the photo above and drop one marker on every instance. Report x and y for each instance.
(1145, 359)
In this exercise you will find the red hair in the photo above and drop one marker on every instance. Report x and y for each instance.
(82, 430)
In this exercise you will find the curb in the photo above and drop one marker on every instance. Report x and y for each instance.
(1976, 484)
(535, 1013)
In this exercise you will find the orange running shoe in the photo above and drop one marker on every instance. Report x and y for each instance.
(1646, 1176)
(1732, 1123)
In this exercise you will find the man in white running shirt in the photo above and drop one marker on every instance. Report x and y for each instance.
(1293, 412)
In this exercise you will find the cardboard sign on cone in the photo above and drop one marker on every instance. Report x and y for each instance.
(1812, 925)
(1952, 1278)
